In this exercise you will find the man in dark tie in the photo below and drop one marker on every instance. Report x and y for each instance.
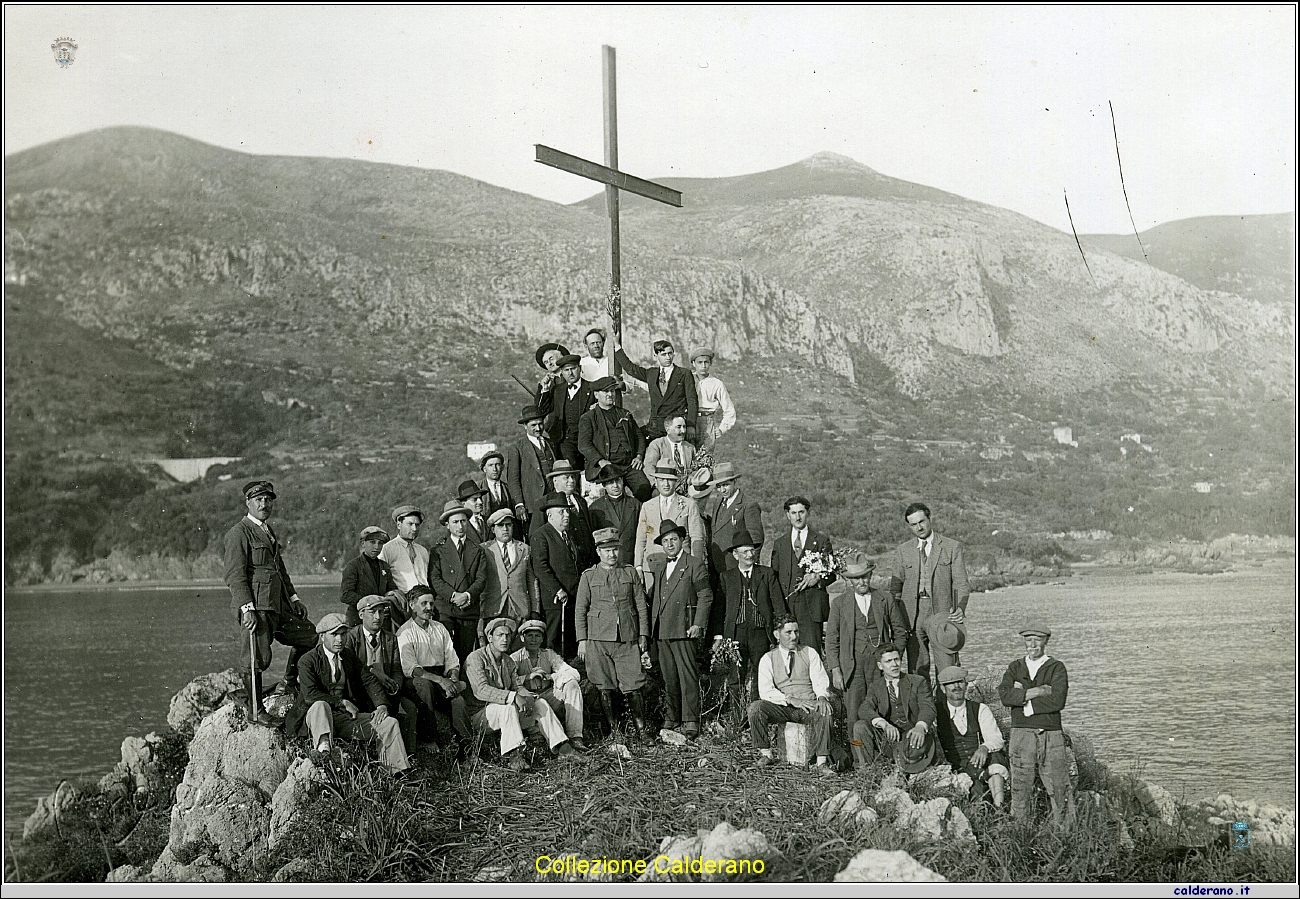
(672, 388)
(935, 589)
(527, 462)
(672, 448)
(375, 644)
(458, 574)
(792, 686)
(474, 498)
(564, 481)
(897, 719)
(804, 590)
(367, 575)
(555, 563)
(498, 496)
(564, 405)
(754, 601)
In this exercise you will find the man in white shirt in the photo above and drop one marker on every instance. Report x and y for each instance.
(595, 365)
(408, 560)
(717, 413)
(970, 737)
(792, 686)
(429, 660)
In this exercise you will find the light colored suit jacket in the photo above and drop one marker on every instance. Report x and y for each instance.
(660, 450)
(683, 510)
(509, 584)
(943, 576)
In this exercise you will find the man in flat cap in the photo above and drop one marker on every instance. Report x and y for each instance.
(369, 575)
(680, 599)
(971, 739)
(493, 465)
(617, 509)
(897, 719)
(458, 574)
(672, 388)
(474, 498)
(608, 435)
(374, 643)
(498, 704)
(264, 599)
(667, 505)
(792, 686)
(595, 365)
(545, 673)
(432, 667)
(717, 413)
(613, 625)
(340, 696)
(511, 588)
(754, 602)
(528, 460)
(407, 560)
(556, 562)
(564, 405)
(1035, 688)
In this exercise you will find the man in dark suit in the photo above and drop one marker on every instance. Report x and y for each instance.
(617, 509)
(564, 405)
(897, 719)
(474, 498)
(753, 602)
(341, 696)
(527, 462)
(458, 574)
(608, 435)
(264, 600)
(726, 512)
(367, 575)
(373, 642)
(933, 571)
(498, 496)
(680, 598)
(804, 591)
(564, 481)
(863, 622)
(672, 389)
(555, 562)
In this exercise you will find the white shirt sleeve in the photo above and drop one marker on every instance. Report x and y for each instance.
(766, 688)
(728, 409)
(989, 733)
(407, 651)
(821, 683)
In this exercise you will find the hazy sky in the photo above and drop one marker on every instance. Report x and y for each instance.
(1003, 105)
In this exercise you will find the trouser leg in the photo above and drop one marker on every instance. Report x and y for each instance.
(569, 696)
(918, 652)
(1055, 772)
(1023, 751)
(810, 630)
(408, 716)
(819, 730)
(505, 718)
(637, 706)
(320, 721)
(387, 733)
(261, 657)
(762, 713)
(672, 683)
(554, 626)
(543, 718)
(638, 485)
(678, 656)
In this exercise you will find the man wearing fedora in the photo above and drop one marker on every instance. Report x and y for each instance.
(729, 510)
(935, 591)
(374, 643)
(680, 598)
(971, 739)
(897, 719)
(340, 696)
(613, 627)
(564, 481)
(1035, 688)
(266, 605)
(564, 405)
(474, 498)
(672, 448)
(666, 505)
(544, 672)
(408, 561)
(367, 575)
(617, 509)
(804, 591)
(528, 460)
(556, 564)
(862, 623)
(792, 686)
(511, 589)
(608, 435)
(431, 666)
(753, 603)
(458, 574)
(717, 412)
(498, 704)
(548, 358)
(672, 388)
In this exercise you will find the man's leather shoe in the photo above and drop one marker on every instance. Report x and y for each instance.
(576, 743)
(284, 686)
(764, 761)
(517, 762)
(565, 750)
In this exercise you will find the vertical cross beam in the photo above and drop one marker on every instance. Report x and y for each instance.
(615, 298)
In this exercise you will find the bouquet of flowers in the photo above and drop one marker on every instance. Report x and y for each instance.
(725, 655)
(820, 563)
(703, 459)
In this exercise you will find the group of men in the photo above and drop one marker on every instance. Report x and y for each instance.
(481, 629)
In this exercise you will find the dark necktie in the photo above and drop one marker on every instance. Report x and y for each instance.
(460, 547)
(744, 598)
(789, 663)
(410, 551)
(663, 380)
(567, 542)
(478, 523)
(374, 642)
(893, 690)
(677, 455)
(798, 550)
(925, 553)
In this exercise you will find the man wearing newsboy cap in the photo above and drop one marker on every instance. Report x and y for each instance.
(264, 599)
(1035, 688)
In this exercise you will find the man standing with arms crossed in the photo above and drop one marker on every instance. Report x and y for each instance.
(1035, 689)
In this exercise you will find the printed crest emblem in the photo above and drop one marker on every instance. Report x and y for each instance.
(65, 51)
(1241, 835)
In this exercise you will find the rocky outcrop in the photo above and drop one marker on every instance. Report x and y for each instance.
(879, 866)
(930, 820)
(292, 793)
(200, 698)
(846, 807)
(49, 809)
(710, 855)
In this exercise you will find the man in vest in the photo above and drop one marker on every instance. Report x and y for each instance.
(792, 686)
(897, 718)
(1035, 688)
(375, 644)
(970, 737)
(753, 600)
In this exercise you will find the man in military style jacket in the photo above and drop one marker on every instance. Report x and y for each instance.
(805, 593)
(680, 598)
(367, 575)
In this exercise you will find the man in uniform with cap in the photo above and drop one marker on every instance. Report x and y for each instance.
(717, 413)
(897, 718)
(935, 589)
(407, 560)
(680, 599)
(672, 388)
(528, 460)
(431, 665)
(564, 481)
(340, 696)
(668, 505)
(1035, 689)
(367, 575)
(458, 574)
(564, 405)
(608, 435)
(971, 739)
(264, 599)
(498, 704)
(474, 498)
(792, 686)
(556, 565)
(863, 622)
(617, 509)
(374, 643)
(753, 603)
(511, 589)
(498, 496)
(613, 630)
(544, 672)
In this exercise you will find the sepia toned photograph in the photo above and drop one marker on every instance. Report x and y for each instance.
(621, 445)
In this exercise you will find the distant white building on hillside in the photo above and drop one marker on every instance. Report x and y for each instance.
(1064, 436)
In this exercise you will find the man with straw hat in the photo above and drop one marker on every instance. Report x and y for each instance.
(545, 673)
(458, 574)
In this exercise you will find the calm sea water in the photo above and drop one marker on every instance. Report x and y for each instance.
(1190, 678)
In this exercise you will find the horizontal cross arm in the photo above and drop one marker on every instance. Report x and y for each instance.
(605, 175)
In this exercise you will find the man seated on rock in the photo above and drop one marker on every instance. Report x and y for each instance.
(369, 575)
(608, 435)
(430, 662)
(896, 719)
(501, 706)
(543, 671)
(374, 643)
(339, 696)
(970, 737)
(792, 686)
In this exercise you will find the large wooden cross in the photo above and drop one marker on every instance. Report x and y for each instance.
(614, 181)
